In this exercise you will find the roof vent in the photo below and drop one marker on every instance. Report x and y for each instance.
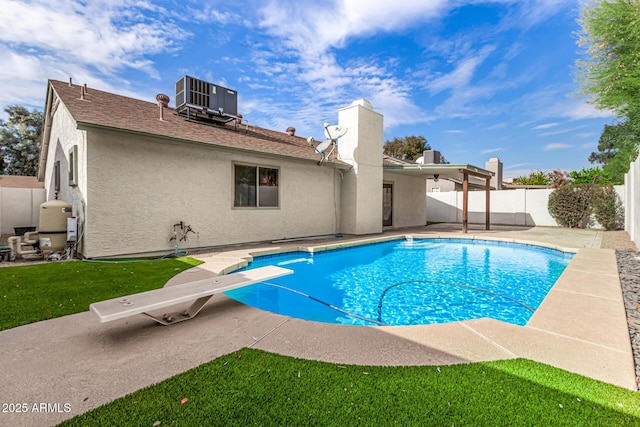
(291, 131)
(198, 99)
(163, 100)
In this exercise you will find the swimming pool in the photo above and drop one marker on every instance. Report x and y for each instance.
(410, 282)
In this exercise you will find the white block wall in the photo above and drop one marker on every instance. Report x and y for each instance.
(632, 202)
(19, 207)
(508, 207)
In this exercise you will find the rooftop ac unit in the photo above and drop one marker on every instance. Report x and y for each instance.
(212, 99)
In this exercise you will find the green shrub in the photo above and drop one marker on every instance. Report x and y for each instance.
(607, 207)
(569, 204)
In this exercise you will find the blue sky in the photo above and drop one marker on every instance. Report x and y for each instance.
(477, 78)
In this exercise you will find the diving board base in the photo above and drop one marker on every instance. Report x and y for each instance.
(179, 316)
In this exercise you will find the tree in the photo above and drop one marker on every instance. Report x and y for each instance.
(558, 178)
(617, 149)
(610, 76)
(534, 178)
(410, 146)
(593, 175)
(610, 36)
(20, 139)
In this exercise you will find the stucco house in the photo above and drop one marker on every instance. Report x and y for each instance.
(133, 170)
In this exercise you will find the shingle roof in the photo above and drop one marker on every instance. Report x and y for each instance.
(108, 110)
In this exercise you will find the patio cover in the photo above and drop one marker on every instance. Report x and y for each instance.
(451, 171)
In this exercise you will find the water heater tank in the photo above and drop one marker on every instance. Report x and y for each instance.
(52, 228)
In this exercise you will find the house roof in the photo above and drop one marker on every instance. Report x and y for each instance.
(445, 171)
(99, 109)
(15, 181)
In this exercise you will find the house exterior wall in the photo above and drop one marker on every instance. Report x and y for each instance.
(442, 186)
(140, 186)
(361, 147)
(65, 135)
(409, 208)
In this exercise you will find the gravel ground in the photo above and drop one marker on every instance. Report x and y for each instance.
(629, 271)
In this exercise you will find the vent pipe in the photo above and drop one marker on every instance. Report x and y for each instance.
(291, 131)
(163, 102)
(70, 82)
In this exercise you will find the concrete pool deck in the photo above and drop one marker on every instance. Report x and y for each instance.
(581, 326)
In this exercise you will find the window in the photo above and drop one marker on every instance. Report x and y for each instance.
(56, 176)
(256, 187)
(73, 165)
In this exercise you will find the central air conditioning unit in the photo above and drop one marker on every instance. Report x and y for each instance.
(198, 97)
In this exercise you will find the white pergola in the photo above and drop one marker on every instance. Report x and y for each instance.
(451, 171)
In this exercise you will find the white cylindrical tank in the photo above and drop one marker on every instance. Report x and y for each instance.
(52, 228)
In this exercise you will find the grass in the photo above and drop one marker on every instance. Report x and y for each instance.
(44, 291)
(252, 387)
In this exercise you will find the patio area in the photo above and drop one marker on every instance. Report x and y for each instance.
(581, 326)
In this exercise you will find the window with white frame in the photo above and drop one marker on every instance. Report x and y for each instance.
(256, 186)
(73, 165)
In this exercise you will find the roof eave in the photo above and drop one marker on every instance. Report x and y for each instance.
(87, 126)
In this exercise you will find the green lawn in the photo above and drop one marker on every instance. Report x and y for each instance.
(252, 387)
(44, 291)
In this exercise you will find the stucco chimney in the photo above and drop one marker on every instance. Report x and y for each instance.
(361, 147)
(431, 157)
(495, 165)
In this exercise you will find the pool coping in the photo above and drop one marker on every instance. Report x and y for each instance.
(580, 326)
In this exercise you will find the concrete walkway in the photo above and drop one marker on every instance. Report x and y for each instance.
(581, 327)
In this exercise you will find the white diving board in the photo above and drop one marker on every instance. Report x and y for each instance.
(199, 292)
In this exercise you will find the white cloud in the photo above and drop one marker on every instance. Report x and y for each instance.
(491, 150)
(314, 27)
(454, 131)
(586, 134)
(556, 146)
(93, 42)
(461, 76)
(545, 126)
(516, 166)
(562, 131)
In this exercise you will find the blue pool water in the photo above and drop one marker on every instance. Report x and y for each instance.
(410, 282)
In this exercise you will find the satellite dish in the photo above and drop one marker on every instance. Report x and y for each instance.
(335, 131)
(327, 147)
(322, 147)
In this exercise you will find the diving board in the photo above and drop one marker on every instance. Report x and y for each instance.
(199, 292)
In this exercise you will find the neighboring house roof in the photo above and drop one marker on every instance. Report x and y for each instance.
(15, 181)
(106, 110)
(390, 160)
